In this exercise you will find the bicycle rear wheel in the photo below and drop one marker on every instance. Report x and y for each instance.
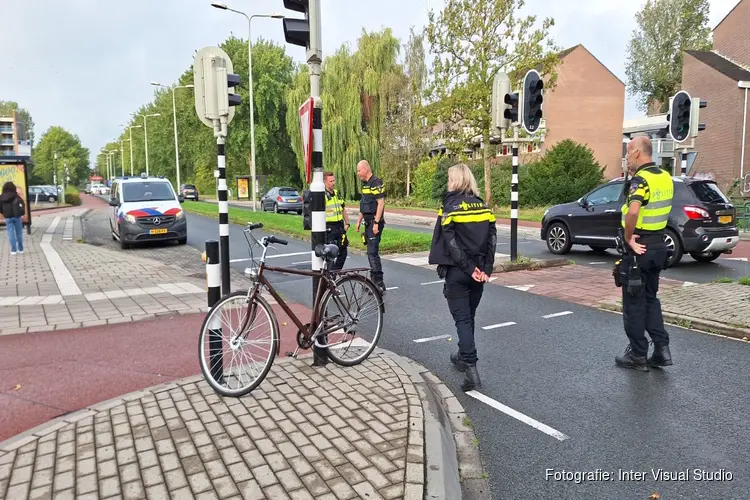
(353, 317)
(238, 344)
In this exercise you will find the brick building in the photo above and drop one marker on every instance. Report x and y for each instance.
(586, 105)
(722, 77)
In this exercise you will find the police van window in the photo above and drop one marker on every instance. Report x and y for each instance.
(146, 191)
(605, 195)
(708, 192)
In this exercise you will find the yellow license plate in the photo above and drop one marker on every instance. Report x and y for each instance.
(158, 231)
(725, 219)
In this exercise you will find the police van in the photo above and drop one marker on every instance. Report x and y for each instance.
(146, 209)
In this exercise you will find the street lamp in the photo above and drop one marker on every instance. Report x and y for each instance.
(224, 6)
(174, 112)
(130, 130)
(106, 155)
(122, 157)
(145, 135)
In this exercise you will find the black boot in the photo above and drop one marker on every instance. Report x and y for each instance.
(320, 357)
(660, 357)
(629, 360)
(471, 380)
(458, 362)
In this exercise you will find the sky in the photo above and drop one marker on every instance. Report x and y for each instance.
(86, 65)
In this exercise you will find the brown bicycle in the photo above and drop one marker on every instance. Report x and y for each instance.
(236, 357)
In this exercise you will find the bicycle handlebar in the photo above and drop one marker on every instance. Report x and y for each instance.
(252, 227)
(274, 239)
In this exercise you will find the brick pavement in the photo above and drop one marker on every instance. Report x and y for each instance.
(331, 434)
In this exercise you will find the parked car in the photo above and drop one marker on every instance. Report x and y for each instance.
(42, 193)
(702, 222)
(282, 199)
(189, 192)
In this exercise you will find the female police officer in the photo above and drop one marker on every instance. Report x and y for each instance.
(463, 247)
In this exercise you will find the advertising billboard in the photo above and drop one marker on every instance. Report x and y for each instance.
(15, 172)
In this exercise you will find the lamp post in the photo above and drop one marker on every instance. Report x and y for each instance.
(106, 156)
(223, 6)
(122, 157)
(174, 112)
(130, 131)
(145, 135)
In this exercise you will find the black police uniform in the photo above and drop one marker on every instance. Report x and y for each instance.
(335, 229)
(464, 238)
(640, 273)
(372, 191)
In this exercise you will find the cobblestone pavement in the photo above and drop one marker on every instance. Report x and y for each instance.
(60, 282)
(335, 433)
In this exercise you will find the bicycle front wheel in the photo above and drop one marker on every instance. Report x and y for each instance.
(238, 343)
(352, 316)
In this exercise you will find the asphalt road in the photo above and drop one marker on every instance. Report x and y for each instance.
(552, 397)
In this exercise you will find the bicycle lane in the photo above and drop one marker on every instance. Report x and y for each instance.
(48, 374)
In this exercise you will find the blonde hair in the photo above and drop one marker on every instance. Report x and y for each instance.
(460, 178)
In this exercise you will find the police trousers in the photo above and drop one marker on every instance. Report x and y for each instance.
(335, 235)
(463, 295)
(373, 247)
(643, 313)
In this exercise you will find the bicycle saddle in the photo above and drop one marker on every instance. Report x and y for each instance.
(327, 251)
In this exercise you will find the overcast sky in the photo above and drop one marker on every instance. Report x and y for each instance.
(86, 64)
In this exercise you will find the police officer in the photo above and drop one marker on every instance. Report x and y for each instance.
(337, 220)
(644, 219)
(371, 208)
(463, 247)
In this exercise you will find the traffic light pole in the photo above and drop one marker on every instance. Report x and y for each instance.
(514, 200)
(683, 163)
(220, 129)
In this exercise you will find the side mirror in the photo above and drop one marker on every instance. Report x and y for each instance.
(180, 198)
(113, 202)
(582, 202)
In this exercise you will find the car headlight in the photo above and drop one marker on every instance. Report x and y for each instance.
(179, 215)
(130, 218)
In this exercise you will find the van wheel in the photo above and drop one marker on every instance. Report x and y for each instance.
(558, 239)
(599, 250)
(673, 244)
(705, 257)
(182, 241)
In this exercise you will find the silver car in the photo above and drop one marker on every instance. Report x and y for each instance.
(281, 200)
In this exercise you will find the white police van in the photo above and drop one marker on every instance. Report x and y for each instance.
(146, 209)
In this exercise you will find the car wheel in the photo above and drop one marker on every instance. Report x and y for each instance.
(558, 239)
(51, 199)
(599, 250)
(673, 244)
(182, 241)
(299, 212)
(700, 257)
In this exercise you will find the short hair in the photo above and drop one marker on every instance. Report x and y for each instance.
(646, 146)
(328, 174)
(460, 178)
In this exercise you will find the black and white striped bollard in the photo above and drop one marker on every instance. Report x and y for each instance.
(317, 190)
(213, 288)
(514, 206)
(223, 216)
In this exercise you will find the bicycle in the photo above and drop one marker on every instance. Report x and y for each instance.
(332, 289)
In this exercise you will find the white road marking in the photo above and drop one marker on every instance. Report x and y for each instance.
(428, 339)
(689, 283)
(65, 281)
(302, 262)
(596, 263)
(743, 259)
(498, 325)
(522, 288)
(433, 282)
(518, 416)
(554, 315)
(277, 256)
(391, 288)
(493, 278)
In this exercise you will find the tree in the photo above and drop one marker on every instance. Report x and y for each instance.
(666, 28)
(7, 108)
(69, 151)
(473, 40)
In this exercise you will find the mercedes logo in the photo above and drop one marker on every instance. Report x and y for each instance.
(156, 221)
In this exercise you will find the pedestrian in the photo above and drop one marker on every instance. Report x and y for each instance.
(463, 247)
(371, 208)
(337, 220)
(13, 209)
(644, 219)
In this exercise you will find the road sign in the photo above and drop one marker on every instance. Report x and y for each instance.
(305, 124)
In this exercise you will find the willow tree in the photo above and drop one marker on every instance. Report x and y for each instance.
(356, 91)
(472, 41)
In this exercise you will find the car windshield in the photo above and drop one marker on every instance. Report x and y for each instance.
(146, 191)
(708, 192)
(189, 186)
(288, 192)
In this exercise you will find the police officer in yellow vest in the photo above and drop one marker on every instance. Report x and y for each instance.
(337, 220)
(644, 219)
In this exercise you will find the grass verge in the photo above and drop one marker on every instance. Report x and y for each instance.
(393, 240)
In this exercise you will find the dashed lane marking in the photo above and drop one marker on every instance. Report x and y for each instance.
(428, 339)
(391, 288)
(433, 282)
(518, 416)
(522, 288)
(301, 262)
(555, 315)
(498, 325)
(596, 263)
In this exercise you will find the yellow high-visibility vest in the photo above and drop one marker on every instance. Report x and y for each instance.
(654, 188)
(334, 207)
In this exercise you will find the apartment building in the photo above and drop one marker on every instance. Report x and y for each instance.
(13, 138)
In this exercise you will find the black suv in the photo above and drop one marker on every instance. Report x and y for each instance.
(702, 221)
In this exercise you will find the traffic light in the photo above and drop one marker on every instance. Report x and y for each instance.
(513, 111)
(297, 31)
(695, 126)
(679, 116)
(214, 86)
(532, 101)
(500, 88)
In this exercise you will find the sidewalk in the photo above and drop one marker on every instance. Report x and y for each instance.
(334, 433)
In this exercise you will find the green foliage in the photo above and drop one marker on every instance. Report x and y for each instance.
(666, 28)
(745, 280)
(473, 40)
(424, 175)
(69, 151)
(72, 196)
(567, 171)
(7, 108)
(440, 179)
